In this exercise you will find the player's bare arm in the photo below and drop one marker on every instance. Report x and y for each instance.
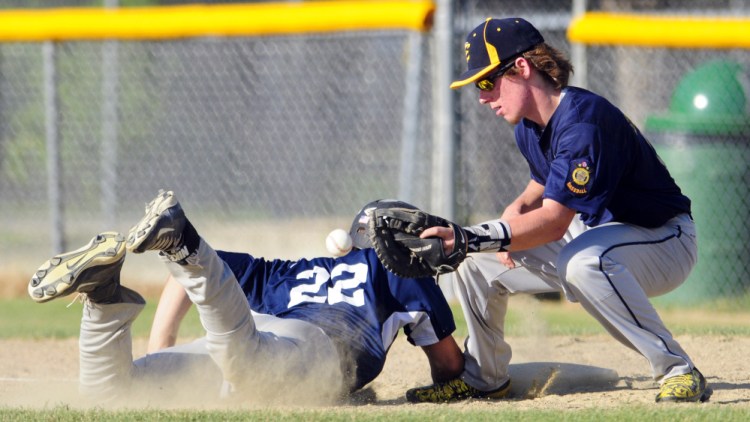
(446, 359)
(530, 199)
(542, 225)
(171, 310)
(530, 220)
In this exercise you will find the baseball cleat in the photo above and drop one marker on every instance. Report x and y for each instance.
(688, 387)
(453, 390)
(93, 270)
(161, 227)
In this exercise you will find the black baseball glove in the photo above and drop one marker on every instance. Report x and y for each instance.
(394, 232)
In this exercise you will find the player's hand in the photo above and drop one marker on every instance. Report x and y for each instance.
(444, 233)
(505, 259)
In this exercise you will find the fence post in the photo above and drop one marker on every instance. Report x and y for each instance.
(52, 139)
(410, 125)
(108, 162)
(443, 152)
(578, 50)
(110, 99)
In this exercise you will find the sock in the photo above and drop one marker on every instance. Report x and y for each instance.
(190, 238)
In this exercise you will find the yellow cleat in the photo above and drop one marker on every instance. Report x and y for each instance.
(453, 390)
(688, 387)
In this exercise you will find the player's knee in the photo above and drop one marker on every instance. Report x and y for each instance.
(579, 270)
(462, 274)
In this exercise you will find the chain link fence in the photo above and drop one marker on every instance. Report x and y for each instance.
(271, 142)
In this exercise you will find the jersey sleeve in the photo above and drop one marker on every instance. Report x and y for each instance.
(427, 316)
(583, 171)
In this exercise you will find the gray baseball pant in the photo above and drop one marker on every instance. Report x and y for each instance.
(612, 270)
(254, 354)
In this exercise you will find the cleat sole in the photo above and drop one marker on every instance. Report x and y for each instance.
(144, 229)
(57, 277)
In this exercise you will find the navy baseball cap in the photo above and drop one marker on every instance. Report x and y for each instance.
(493, 43)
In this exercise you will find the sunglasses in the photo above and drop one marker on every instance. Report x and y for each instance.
(488, 83)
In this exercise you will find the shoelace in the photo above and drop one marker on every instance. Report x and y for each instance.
(80, 297)
(680, 380)
(682, 385)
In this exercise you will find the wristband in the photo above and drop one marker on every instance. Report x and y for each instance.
(490, 236)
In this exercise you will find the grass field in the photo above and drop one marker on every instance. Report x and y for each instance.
(432, 413)
(20, 319)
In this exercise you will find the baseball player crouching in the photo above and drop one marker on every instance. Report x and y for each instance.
(601, 219)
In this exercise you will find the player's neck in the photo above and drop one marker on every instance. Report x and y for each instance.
(546, 100)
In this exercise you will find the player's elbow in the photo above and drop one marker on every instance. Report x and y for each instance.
(556, 219)
(557, 232)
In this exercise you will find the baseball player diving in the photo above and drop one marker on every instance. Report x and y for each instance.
(601, 219)
(306, 331)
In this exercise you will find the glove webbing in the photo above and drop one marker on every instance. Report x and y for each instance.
(411, 222)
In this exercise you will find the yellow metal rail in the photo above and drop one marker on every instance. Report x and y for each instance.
(255, 19)
(660, 31)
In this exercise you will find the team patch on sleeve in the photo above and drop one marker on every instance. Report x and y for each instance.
(580, 177)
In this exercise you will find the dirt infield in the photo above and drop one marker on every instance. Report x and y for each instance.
(559, 372)
(549, 372)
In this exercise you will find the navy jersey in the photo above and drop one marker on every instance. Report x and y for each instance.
(354, 299)
(591, 158)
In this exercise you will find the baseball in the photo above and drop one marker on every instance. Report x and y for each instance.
(338, 242)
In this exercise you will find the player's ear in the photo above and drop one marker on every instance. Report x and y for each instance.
(523, 67)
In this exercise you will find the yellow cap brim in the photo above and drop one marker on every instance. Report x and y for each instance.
(471, 76)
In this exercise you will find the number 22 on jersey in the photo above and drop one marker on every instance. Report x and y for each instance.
(344, 276)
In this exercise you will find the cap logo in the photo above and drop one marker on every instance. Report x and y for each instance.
(467, 46)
